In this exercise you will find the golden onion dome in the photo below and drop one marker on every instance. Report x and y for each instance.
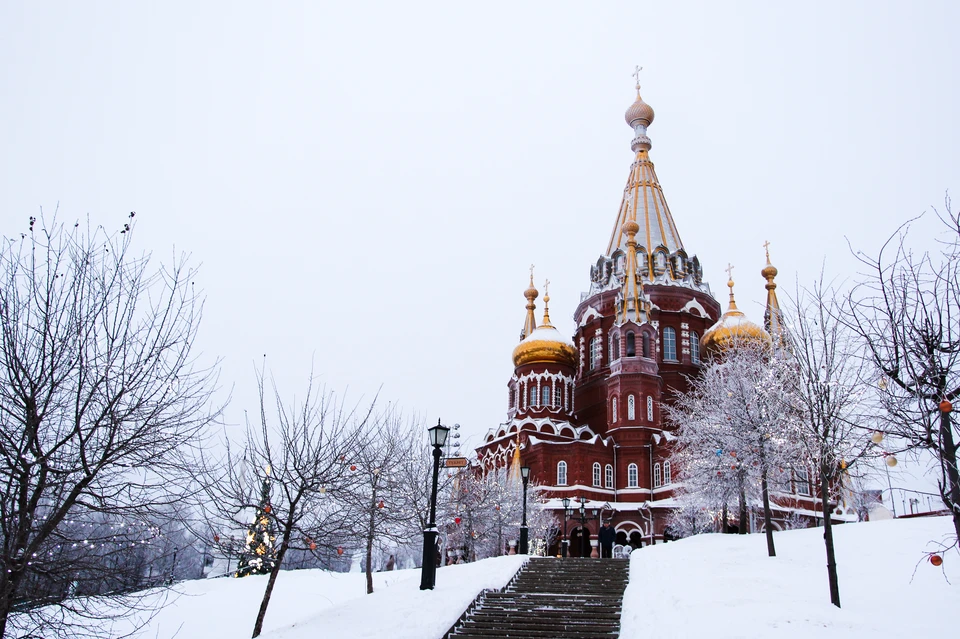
(732, 329)
(639, 110)
(545, 345)
(769, 271)
(630, 227)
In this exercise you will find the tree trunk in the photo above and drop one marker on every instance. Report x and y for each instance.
(725, 526)
(767, 515)
(828, 539)
(742, 530)
(8, 587)
(949, 458)
(258, 626)
(371, 529)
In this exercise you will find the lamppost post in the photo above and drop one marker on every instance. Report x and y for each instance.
(584, 542)
(428, 573)
(566, 514)
(525, 475)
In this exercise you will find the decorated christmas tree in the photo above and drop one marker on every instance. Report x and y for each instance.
(259, 555)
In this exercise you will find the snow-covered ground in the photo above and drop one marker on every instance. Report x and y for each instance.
(713, 586)
(315, 603)
(722, 586)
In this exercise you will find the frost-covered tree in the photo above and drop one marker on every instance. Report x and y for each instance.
(734, 435)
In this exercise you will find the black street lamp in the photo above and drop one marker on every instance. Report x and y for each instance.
(428, 574)
(525, 475)
(584, 541)
(566, 514)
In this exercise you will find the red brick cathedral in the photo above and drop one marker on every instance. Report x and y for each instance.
(586, 415)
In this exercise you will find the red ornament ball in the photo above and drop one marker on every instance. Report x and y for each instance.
(936, 560)
(381, 504)
(313, 545)
(216, 539)
(267, 508)
(339, 550)
(353, 467)
(946, 407)
(457, 520)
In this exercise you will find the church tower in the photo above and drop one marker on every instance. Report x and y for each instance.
(587, 416)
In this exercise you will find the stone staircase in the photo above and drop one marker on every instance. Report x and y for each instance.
(551, 598)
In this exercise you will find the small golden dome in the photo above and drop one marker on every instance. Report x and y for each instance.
(545, 345)
(641, 111)
(769, 271)
(732, 329)
(630, 226)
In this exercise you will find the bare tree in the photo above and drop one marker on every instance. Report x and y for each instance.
(307, 447)
(907, 310)
(381, 504)
(101, 396)
(830, 398)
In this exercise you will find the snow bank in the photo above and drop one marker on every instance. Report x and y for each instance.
(721, 586)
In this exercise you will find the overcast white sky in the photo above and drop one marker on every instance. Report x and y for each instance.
(366, 184)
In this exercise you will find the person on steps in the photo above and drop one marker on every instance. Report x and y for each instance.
(607, 537)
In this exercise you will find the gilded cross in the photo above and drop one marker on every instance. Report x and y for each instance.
(766, 247)
(636, 74)
(729, 270)
(546, 287)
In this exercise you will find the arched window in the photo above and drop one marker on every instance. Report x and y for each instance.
(803, 481)
(632, 476)
(556, 394)
(596, 474)
(608, 476)
(533, 394)
(646, 345)
(614, 348)
(631, 407)
(669, 344)
(613, 409)
(631, 345)
(510, 396)
(649, 408)
(561, 473)
(656, 476)
(694, 347)
(545, 395)
(666, 474)
(594, 353)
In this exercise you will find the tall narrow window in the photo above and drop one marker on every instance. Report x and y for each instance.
(613, 409)
(666, 474)
(557, 400)
(594, 353)
(545, 395)
(694, 347)
(669, 344)
(533, 395)
(631, 344)
(608, 476)
(649, 408)
(803, 481)
(596, 474)
(561, 473)
(632, 476)
(631, 408)
(646, 345)
(510, 396)
(657, 479)
(614, 349)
